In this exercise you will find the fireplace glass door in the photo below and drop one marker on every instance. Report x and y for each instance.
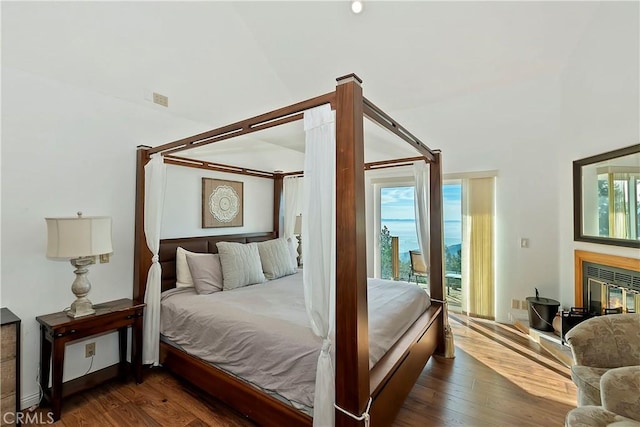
(605, 298)
(595, 296)
(632, 302)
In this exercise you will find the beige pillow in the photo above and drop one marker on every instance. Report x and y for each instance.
(206, 272)
(183, 274)
(276, 259)
(240, 264)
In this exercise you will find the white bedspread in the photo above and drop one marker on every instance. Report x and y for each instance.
(261, 333)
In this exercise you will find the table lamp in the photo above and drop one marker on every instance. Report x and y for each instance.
(297, 230)
(79, 239)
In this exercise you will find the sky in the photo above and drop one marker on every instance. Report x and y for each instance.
(398, 202)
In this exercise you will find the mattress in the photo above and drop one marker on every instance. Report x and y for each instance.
(262, 334)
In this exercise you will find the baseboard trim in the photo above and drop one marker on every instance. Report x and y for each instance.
(29, 401)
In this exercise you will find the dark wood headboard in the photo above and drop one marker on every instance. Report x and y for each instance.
(204, 244)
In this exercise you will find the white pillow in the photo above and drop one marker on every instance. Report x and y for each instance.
(240, 264)
(275, 256)
(183, 274)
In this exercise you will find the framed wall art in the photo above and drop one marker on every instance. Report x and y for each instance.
(221, 203)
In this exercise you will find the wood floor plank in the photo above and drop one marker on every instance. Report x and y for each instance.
(80, 419)
(197, 423)
(191, 400)
(131, 415)
(160, 407)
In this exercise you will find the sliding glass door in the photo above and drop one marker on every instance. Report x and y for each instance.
(397, 220)
(469, 217)
(452, 212)
(397, 224)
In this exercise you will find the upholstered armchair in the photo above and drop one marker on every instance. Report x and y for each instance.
(620, 394)
(598, 345)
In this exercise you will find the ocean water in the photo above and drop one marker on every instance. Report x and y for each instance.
(405, 230)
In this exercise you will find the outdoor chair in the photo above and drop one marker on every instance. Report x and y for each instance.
(418, 268)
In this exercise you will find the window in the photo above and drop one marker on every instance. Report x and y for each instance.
(619, 205)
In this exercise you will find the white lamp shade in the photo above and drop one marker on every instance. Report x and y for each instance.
(297, 227)
(78, 237)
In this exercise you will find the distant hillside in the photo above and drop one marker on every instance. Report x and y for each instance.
(454, 248)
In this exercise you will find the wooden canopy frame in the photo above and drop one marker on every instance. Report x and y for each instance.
(391, 379)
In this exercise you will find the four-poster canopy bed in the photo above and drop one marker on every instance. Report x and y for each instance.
(393, 376)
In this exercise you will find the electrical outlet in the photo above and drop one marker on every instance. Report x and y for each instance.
(90, 349)
(160, 99)
(515, 303)
(524, 305)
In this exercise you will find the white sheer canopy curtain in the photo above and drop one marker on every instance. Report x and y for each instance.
(154, 188)
(423, 224)
(421, 206)
(318, 228)
(292, 189)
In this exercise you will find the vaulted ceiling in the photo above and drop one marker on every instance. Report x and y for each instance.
(219, 62)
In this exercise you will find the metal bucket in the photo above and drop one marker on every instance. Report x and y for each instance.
(541, 312)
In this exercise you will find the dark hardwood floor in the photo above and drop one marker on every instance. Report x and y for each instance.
(498, 378)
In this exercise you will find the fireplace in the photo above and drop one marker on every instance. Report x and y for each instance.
(607, 283)
(609, 289)
(604, 284)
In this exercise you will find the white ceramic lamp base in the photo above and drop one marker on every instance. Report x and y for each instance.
(80, 288)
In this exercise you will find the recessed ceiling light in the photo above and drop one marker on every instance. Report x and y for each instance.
(356, 6)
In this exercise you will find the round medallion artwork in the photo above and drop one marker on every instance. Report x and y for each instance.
(224, 203)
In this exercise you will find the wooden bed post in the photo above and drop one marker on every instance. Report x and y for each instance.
(277, 201)
(435, 213)
(141, 253)
(352, 329)
(436, 224)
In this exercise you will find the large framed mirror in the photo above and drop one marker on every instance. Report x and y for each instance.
(606, 198)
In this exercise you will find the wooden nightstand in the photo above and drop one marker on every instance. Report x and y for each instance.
(9, 367)
(58, 329)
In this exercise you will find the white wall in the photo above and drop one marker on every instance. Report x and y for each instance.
(66, 149)
(593, 107)
(600, 112)
(182, 212)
